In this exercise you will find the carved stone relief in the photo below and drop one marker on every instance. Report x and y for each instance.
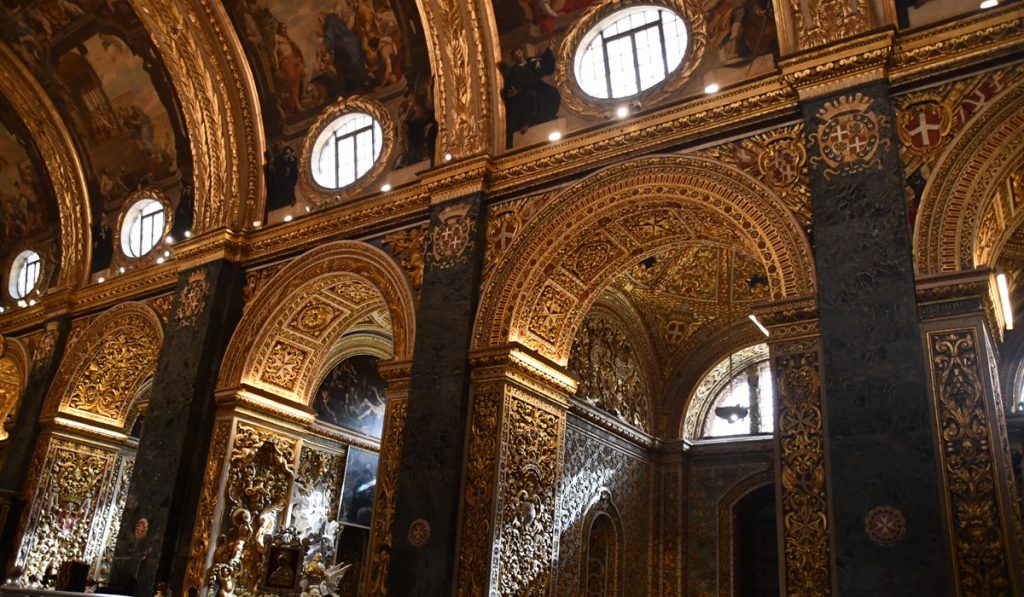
(610, 374)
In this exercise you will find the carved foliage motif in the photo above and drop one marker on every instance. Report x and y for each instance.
(386, 496)
(531, 451)
(47, 343)
(207, 506)
(819, 22)
(258, 486)
(255, 280)
(610, 374)
(104, 372)
(593, 466)
(967, 458)
(848, 136)
(71, 507)
(284, 362)
(800, 436)
(11, 382)
(409, 249)
(482, 454)
(779, 159)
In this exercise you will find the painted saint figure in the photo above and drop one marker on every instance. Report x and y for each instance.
(529, 100)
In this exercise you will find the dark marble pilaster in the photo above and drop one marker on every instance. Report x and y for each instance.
(881, 443)
(172, 454)
(430, 473)
(22, 442)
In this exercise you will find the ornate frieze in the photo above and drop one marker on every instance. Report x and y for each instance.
(800, 433)
(967, 458)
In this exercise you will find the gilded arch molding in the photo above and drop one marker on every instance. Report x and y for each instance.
(462, 40)
(14, 369)
(211, 77)
(104, 368)
(591, 232)
(293, 326)
(961, 220)
(53, 140)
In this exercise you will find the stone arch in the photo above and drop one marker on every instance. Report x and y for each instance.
(603, 509)
(63, 166)
(960, 223)
(293, 326)
(595, 229)
(211, 76)
(103, 369)
(726, 532)
(14, 369)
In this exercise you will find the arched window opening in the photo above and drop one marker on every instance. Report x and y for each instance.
(735, 397)
(601, 561)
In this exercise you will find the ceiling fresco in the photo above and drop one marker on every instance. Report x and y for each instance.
(28, 212)
(305, 56)
(741, 44)
(97, 63)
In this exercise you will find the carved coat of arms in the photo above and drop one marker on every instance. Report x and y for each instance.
(452, 238)
(923, 125)
(849, 135)
(192, 299)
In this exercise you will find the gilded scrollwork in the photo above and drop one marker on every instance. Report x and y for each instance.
(386, 497)
(478, 499)
(206, 512)
(980, 542)
(800, 434)
(611, 377)
(101, 372)
(205, 61)
(71, 506)
(818, 22)
(56, 147)
(259, 483)
(409, 248)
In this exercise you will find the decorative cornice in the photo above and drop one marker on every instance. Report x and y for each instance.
(606, 422)
(961, 293)
(519, 364)
(828, 69)
(459, 179)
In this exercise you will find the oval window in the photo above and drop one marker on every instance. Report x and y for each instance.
(630, 51)
(24, 274)
(143, 227)
(346, 150)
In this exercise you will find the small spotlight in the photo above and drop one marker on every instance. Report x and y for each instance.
(308, 209)
(159, 259)
(120, 270)
(22, 303)
(188, 234)
(712, 88)
(385, 188)
(288, 218)
(256, 223)
(2, 309)
(447, 157)
(989, 4)
(167, 253)
(555, 136)
(1004, 300)
(102, 280)
(622, 111)
(32, 302)
(759, 325)
(169, 239)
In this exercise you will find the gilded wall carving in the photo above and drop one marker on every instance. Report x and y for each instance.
(386, 497)
(594, 464)
(453, 237)
(14, 369)
(474, 576)
(818, 22)
(968, 464)
(256, 281)
(192, 298)
(800, 434)
(848, 137)
(126, 464)
(409, 249)
(103, 369)
(208, 503)
(777, 158)
(610, 374)
(205, 61)
(56, 147)
(671, 531)
(71, 506)
(259, 484)
(531, 452)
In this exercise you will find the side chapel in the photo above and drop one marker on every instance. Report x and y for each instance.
(430, 298)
